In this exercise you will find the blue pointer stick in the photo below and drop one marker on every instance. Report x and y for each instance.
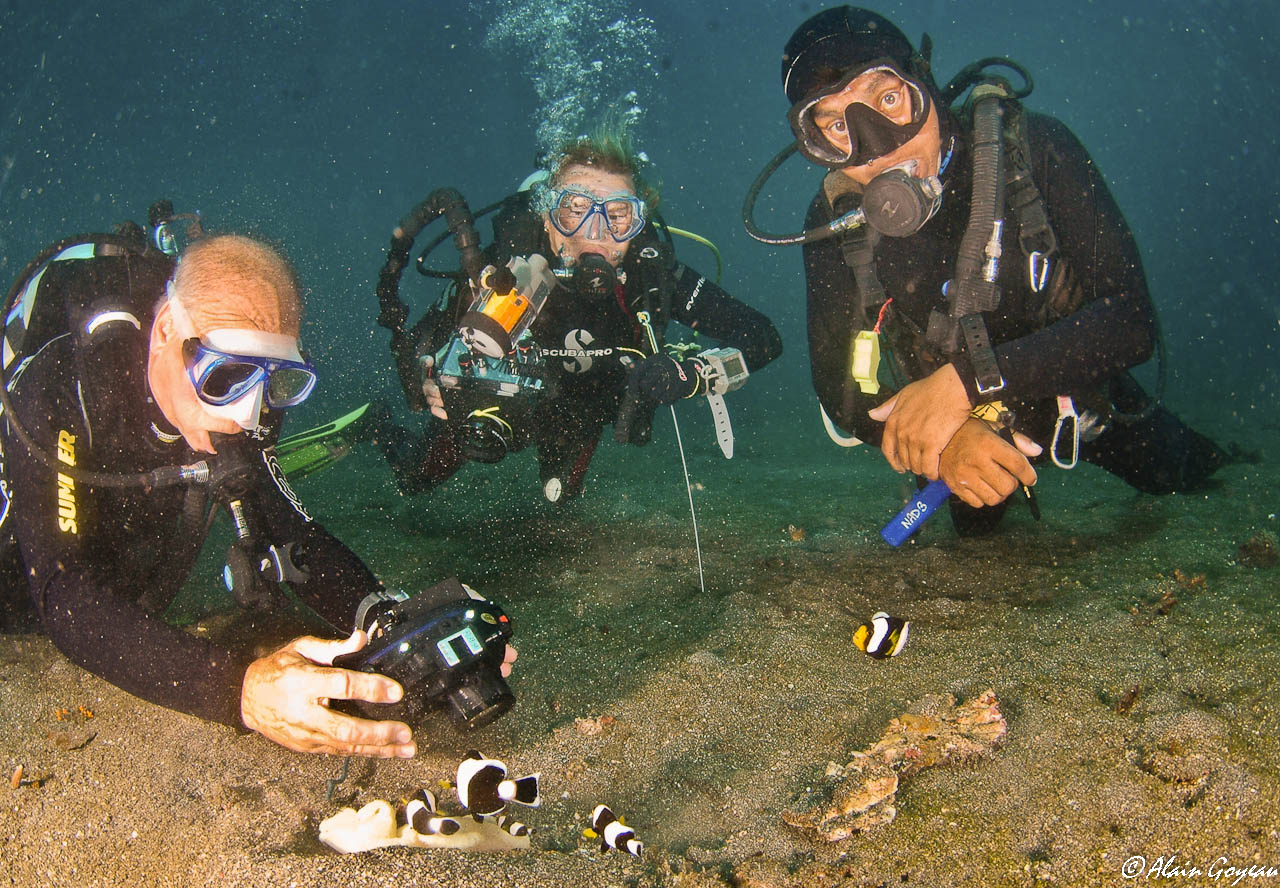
(915, 513)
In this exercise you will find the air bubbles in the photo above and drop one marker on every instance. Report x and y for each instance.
(581, 56)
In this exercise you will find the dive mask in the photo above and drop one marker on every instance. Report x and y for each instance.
(870, 133)
(245, 360)
(234, 370)
(575, 210)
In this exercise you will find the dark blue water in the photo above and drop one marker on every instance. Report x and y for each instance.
(317, 125)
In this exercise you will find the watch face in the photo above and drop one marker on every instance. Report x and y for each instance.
(734, 366)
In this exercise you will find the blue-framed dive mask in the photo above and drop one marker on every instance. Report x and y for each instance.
(221, 377)
(235, 370)
(574, 210)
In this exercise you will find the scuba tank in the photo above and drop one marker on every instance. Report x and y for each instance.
(30, 319)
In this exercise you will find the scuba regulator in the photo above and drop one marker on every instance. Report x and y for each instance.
(255, 566)
(593, 277)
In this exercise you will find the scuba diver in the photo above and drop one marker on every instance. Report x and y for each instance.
(584, 250)
(982, 247)
(142, 393)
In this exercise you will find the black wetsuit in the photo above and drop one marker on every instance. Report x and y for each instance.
(1078, 339)
(103, 562)
(587, 342)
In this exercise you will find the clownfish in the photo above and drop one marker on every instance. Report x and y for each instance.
(614, 833)
(515, 827)
(883, 637)
(484, 787)
(420, 813)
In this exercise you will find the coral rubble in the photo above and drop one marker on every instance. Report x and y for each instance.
(1260, 550)
(857, 796)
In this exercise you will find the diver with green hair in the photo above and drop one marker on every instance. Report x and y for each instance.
(591, 214)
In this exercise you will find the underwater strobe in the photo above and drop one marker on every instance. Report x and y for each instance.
(510, 299)
(445, 646)
(490, 371)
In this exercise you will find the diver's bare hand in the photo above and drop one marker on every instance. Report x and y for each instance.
(982, 469)
(921, 419)
(507, 659)
(431, 389)
(285, 698)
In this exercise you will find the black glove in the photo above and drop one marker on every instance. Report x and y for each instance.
(662, 379)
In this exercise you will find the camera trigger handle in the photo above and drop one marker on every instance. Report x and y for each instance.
(381, 599)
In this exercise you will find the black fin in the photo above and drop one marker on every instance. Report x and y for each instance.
(525, 791)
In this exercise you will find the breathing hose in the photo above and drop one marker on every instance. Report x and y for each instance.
(974, 291)
(822, 232)
(393, 313)
(164, 476)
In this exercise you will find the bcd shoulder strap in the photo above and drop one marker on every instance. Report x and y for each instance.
(1035, 235)
(1047, 272)
(858, 248)
(651, 267)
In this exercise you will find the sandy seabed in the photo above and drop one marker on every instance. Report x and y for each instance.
(1135, 654)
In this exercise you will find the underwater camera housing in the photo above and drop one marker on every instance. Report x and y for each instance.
(495, 395)
(445, 646)
(491, 370)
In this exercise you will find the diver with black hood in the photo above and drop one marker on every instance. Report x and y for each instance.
(981, 247)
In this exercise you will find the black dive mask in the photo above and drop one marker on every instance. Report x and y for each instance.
(871, 134)
(594, 277)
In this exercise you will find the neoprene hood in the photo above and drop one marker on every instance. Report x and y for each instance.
(843, 37)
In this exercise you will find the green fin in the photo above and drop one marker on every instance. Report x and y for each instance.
(310, 451)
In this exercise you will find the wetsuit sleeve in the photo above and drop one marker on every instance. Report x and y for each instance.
(1115, 328)
(833, 321)
(336, 580)
(701, 305)
(90, 622)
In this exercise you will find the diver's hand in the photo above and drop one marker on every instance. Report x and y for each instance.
(431, 389)
(507, 659)
(663, 379)
(982, 469)
(921, 419)
(285, 698)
